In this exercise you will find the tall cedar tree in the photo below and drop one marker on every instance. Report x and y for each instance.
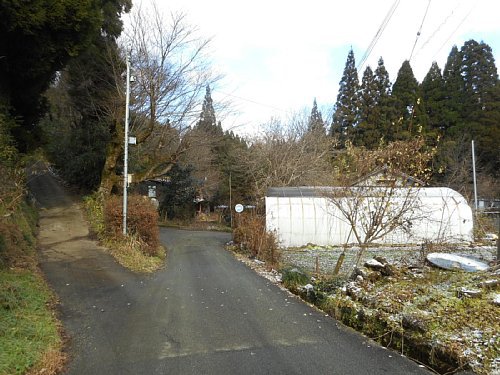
(316, 123)
(384, 101)
(480, 111)
(433, 93)
(208, 121)
(346, 111)
(206, 147)
(454, 149)
(221, 162)
(454, 92)
(409, 105)
(367, 133)
(232, 150)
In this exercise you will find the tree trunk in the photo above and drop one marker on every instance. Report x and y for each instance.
(109, 178)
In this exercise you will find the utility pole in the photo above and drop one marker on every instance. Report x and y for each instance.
(125, 149)
(474, 175)
(230, 201)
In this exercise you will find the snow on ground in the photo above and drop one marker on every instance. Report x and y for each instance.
(326, 257)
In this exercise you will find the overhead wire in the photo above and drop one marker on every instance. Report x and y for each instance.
(455, 30)
(433, 34)
(378, 34)
(252, 101)
(420, 30)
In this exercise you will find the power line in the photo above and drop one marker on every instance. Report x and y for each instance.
(420, 29)
(378, 34)
(454, 31)
(438, 29)
(252, 101)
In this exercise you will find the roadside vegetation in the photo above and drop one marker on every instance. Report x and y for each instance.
(253, 240)
(140, 250)
(30, 334)
(446, 320)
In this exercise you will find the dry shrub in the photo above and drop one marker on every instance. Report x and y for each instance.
(251, 234)
(142, 221)
(10, 239)
(16, 242)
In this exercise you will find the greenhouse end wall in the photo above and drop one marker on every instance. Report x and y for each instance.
(300, 217)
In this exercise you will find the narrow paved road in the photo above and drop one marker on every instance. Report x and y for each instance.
(205, 313)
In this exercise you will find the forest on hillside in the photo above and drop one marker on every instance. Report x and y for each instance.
(62, 90)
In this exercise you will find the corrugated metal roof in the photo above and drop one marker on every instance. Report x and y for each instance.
(298, 191)
(326, 191)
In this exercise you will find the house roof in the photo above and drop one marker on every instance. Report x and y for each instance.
(386, 171)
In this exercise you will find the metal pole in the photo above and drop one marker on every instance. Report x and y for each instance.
(125, 149)
(230, 201)
(474, 175)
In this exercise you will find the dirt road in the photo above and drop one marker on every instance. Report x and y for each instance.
(205, 313)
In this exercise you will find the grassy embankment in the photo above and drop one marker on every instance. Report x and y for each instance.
(445, 319)
(30, 335)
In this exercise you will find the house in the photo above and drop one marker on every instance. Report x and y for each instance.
(384, 176)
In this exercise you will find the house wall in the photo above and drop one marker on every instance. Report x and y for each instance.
(440, 215)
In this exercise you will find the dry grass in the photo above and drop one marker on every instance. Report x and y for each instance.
(52, 362)
(127, 252)
(250, 233)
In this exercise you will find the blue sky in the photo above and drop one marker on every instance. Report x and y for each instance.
(278, 55)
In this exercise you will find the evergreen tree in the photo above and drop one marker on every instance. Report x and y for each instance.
(90, 83)
(382, 80)
(471, 110)
(316, 123)
(409, 105)
(433, 93)
(80, 128)
(178, 193)
(38, 38)
(454, 92)
(488, 134)
(233, 149)
(479, 73)
(208, 121)
(481, 110)
(367, 132)
(346, 113)
(384, 101)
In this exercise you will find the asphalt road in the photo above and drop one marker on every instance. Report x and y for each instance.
(205, 313)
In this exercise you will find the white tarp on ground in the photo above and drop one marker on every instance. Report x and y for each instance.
(305, 215)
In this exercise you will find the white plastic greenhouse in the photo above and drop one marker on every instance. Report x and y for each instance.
(307, 215)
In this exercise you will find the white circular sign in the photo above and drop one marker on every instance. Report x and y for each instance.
(238, 208)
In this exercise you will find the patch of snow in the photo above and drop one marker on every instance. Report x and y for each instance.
(308, 287)
(373, 263)
(454, 261)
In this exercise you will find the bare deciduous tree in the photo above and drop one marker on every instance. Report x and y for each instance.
(376, 202)
(171, 69)
(289, 155)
